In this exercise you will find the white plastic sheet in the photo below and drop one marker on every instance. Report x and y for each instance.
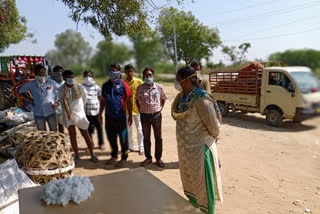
(11, 180)
(15, 118)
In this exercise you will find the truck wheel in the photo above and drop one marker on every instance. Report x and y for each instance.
(274, 117)
(223, 108)
(7, 99)
(297, 120)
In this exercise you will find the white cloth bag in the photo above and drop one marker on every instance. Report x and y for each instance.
(78, 115)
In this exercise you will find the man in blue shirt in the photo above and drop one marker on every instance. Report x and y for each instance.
(116, 97)
(57, 76)
(42, 90)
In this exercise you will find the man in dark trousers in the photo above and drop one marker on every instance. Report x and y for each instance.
(43, 93)
(150, 99)
(116, 97)
(92, 107)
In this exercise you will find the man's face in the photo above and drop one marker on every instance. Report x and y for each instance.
(69, 76)
(113, 69)
(88, 75)
(41, 73)
(129, 73)
(148, 74)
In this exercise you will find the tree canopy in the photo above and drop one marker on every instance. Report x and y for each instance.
(108, 17)
(109, 53)
(112, 16)
(13, 28)
(237, 55)
(194, 40)
(147, 49)
(70, 49)
(304, 57)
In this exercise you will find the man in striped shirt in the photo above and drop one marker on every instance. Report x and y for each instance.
(150, 99)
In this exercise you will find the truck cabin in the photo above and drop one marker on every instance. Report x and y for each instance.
(280, 79)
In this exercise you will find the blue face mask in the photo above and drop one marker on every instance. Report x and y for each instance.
(114, 76)
(148, 80)
(70, 81)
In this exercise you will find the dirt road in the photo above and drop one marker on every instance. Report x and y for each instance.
(264, 169)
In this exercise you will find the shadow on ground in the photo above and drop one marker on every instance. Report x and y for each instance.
(252, 121)
(85, 162)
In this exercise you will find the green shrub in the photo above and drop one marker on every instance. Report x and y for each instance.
(77, 69)
(157, 78)
(166, 68)
(317, 71)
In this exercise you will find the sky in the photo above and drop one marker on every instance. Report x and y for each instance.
(269, 25)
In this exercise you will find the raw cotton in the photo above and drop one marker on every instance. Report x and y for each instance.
(61, 191)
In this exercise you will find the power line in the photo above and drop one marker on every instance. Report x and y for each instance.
(276, 26)
(274, 12)
(275, 36)
(239, 9)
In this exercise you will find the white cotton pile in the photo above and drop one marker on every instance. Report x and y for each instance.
(62, 191)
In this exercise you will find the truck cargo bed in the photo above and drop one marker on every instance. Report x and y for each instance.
(241, 99)
(239, 82)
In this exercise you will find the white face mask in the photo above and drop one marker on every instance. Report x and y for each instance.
(41, 79)
(88, 81)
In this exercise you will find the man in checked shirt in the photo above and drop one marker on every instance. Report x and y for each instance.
(92, 107)
(150, 100)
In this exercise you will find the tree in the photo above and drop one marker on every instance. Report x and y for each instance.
(112, 16)
(13, 28)
(109, 53)
(70, 49)
(147, 49)
(194, 40)
(214, 66)
(304, 57)
(237, 56)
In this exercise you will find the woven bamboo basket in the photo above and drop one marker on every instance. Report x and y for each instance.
(43, 179)
(45, 156)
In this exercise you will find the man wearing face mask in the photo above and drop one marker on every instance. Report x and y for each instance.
(150, 99)
(72, 97)
(203, 83)
(92, 107)
(133, 83)
(115, 99)
(42, 90)
(57, 76)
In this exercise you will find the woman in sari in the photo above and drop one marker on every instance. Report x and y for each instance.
(198, 127)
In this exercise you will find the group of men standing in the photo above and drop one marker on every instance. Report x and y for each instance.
(61, 102)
